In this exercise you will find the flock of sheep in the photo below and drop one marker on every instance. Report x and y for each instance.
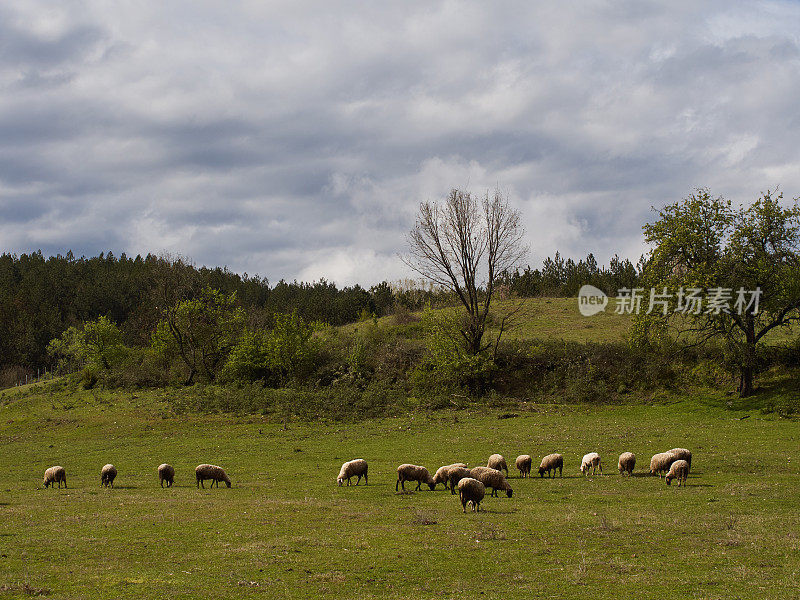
(472, 483)
(166, 474)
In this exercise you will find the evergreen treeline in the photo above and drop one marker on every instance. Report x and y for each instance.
(41, 297)
(563, 278)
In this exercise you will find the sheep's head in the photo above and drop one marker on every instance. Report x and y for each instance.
(509, 492)
(668, 479)
(340, 481)
(432, 485)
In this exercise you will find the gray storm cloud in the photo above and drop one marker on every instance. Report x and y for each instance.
(295, 140)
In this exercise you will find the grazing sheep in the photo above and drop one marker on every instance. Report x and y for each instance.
(406, 472)
(471, 491)
(523, 464)
(456, 474)
(679, 470)
(107, 475)
(55, 475)
(212, 472)
(492, 478)
(166, 473)
(353, 468)
(497, 462)
(442, 474)
(682, 454)
(591, 460)
(550, 463)
(661, 462)
(627, 462)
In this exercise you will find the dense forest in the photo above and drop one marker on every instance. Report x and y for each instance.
(41, 297)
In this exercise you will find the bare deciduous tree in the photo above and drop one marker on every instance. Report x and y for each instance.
(463, 244)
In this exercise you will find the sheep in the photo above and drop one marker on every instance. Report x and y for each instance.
(107, 475)
(679, 469)
(627, 462)
(497, 462)
(406, 472)
(661, 462)
(523, 463)
(456, 474)
(353, 468)
(212, 472)
(550, 463)
(166, 473)
(591, 460)
(471, 491)
(492, 478)
(442, 474)
(55, 475)
(682, 454)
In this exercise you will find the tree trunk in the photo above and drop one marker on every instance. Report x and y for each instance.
(746, 382)
(748, 365)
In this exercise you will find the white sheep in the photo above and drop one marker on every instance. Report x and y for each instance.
(661, 462)
(442, 474)
(353, 468)
(166, 473)
(626, 463)
(497, 462)
(455, 475)
(212, 472)
(471, 491)
(591, 461)
(523, 464)
(55, 475)
(107, 475)
(492, 478)
(682, 454)
(679, 470)
(407, 472)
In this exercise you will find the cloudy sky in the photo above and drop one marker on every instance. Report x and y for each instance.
(296, 139)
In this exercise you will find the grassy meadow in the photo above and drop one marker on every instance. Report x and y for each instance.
(285, 530)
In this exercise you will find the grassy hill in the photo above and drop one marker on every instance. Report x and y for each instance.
(285, 530)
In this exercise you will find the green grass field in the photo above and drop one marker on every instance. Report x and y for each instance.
(560, 319)
(285, 530)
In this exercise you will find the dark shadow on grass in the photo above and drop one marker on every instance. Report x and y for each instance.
(5, 503)
(769, 396)
(126, 487)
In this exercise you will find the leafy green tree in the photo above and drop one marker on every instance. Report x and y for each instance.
(98, 343)
(249, 359)
(706, 243)
(201, 332)
(291, 348)
(279, 356)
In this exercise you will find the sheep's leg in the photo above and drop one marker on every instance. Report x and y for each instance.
(396, 484)
(366, 481)
(419, 484)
